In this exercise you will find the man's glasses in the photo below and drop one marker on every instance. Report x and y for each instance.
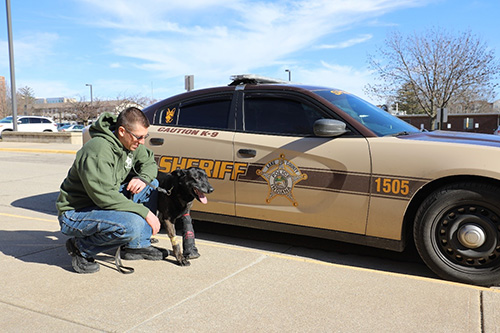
(138, 138)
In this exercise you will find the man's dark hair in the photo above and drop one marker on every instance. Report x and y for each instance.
(130, 117)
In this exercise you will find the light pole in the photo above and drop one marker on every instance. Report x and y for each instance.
(289, 74)
(89, 85)
(12, 71)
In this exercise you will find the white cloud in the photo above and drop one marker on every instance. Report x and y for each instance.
(30, 49)
(347, 43)
(335, 76)
(265, 34)
(123, 88)
(211, 39)
(34, 48)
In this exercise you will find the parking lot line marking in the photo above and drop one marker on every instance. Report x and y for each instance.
(295, 258)
(28, 217)
(31, 150)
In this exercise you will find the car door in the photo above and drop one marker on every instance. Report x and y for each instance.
(23, 125)
(36, 124)
(294, 177)
(197, 133)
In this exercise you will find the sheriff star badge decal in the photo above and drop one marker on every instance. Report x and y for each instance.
(281, 176)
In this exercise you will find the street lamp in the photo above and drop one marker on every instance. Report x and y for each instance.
(12, 70)
(289, 74)
(89, 85)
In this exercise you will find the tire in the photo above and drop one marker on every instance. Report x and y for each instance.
(5, 130)
(456, 233)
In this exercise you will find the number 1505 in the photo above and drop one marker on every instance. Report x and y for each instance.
(392, 186)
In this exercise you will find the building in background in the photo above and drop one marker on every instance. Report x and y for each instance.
(477, 117)
(54, 100)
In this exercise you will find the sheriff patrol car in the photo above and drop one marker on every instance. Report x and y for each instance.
(322, 162)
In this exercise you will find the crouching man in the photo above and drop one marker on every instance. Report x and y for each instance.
(105, 202)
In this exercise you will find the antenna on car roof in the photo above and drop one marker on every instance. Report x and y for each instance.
(253, 79)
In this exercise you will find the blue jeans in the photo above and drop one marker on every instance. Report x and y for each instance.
(97, 230)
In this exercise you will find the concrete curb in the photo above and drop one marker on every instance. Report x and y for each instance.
(45, 137)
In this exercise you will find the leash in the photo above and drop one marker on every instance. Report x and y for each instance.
(158, 188)
(118, 260)
(119, 266)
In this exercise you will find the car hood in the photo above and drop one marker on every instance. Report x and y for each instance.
(455, 137)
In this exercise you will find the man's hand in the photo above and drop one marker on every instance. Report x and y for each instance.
(135, 185)
(153, 222)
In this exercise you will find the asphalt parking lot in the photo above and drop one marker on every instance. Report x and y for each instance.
(243, 281)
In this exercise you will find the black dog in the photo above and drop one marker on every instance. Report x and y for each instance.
(182, 187)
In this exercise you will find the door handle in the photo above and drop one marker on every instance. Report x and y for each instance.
(247, 152)
(156, 141)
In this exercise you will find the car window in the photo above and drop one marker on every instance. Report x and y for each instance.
(24, 120)
(35, 120)
(378, 121)
(45, 121)
(276, 115)
(213, 113)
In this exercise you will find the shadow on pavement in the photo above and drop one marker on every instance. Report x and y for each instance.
(334, 252)
(43, 247)
(36, 246)
(44, 203)
(48, 248)
(21, 244)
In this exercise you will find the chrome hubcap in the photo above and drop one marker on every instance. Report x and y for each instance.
(471, 236)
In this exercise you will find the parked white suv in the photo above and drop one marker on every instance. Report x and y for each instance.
(28, 124)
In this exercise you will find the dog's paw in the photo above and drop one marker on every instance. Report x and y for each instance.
(184, 262)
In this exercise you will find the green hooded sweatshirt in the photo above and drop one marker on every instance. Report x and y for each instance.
(100, 167)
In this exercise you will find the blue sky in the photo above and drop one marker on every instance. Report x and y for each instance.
(144, 48)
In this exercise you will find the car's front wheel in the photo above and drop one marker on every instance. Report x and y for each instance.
(457, 233)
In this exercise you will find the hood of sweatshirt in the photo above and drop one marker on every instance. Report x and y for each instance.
(104, 127)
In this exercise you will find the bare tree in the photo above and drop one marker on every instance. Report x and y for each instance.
(86, 110)
(135, 100)
(83, 110)
(25, 100)
(437, 67)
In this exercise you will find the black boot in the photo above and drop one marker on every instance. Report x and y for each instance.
(80, 263)
(148, 253)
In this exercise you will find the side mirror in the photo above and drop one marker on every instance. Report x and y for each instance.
(329, 128)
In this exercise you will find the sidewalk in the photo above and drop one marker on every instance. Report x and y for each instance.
(237, 285)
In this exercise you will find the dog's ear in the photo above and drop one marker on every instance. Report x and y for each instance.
(162, 177)
(202, 173)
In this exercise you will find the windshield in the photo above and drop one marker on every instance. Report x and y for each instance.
(377, 120)
(6, 120)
